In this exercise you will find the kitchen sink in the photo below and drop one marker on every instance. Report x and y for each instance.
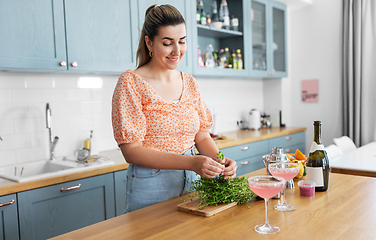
(44, 169)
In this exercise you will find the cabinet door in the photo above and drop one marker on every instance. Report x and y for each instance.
(289, 142)
(184, 7)
(32, 34)
(260, 38)
(120, 188)
(57, 209)
(99, 35)
(9, 219)
(279, 41)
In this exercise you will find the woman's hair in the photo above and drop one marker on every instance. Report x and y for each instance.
(156, 16)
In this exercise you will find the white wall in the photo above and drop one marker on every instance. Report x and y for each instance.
(315, 53)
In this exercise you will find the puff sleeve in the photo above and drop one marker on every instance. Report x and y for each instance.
(128, 120)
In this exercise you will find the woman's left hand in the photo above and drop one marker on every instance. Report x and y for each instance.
(230, 168)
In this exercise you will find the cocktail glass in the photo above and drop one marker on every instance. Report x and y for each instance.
(287, 171)
(266, 187)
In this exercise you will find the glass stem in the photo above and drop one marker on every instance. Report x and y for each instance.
(266, 211)
(283, 195)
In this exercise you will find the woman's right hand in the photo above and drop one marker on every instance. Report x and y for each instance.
(206, 166)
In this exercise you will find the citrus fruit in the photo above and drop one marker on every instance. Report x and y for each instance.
(299, 155)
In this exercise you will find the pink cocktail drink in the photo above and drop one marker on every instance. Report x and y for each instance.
(286, 173)
(266, 187)
(265, 190)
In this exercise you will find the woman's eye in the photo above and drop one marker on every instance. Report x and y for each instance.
(182, 42)
(166, 44)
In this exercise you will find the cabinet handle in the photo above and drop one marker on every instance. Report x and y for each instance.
(288, 138)
(63, 63)
(244, 163)
(7, 204)
(244, 148)
(289, 150)
(74, 64)
(70, 188)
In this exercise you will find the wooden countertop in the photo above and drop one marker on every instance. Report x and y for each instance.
(345, 211)
(247, 136)
(233, 138)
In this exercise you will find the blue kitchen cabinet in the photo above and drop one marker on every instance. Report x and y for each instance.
(9, 217)
(269, 39)
(222, 38)
(289, 143)
(50, 211)
(79, 36)
(184, 7)
(120, 180)
(248, 156)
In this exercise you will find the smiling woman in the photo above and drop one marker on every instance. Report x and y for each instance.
(159, 117)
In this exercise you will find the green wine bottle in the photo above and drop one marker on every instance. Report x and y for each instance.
(318, 163)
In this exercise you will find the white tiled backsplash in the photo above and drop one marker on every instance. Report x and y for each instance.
(75, 111)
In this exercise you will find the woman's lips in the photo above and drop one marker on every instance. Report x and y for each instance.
(173, 59)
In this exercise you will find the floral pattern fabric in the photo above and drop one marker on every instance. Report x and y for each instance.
(139, 114)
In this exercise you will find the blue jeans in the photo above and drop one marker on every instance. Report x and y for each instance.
(146, 186)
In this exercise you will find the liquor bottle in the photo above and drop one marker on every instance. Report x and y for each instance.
(200, 6)
(224, 15)
(215, 17)
(209, 58)
(239, 59)
(202, 17)
(200, 60)
(318, 163)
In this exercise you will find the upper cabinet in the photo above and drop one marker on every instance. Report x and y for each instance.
(82, 36)
(235, 39)
(260, 38)
(268, 29)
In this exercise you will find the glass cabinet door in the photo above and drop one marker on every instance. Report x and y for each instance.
(259, 36)
(279, 40)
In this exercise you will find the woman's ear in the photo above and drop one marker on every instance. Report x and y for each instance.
(149, 44)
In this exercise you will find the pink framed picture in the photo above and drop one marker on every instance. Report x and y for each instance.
(310, 90)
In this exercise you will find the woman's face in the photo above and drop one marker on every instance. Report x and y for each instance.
(168, 47)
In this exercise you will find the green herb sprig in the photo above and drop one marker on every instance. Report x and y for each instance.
(221, 189)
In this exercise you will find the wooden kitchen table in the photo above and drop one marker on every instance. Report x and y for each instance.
(346, 211)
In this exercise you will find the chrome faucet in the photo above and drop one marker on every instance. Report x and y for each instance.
(52, 142)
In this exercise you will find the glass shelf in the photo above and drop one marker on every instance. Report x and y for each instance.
(206, 31)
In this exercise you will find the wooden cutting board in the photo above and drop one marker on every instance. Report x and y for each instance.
(191, 207)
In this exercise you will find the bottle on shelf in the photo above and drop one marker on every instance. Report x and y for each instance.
(216, 60)
(224, 15)
(209, 58)
(234, 23)
(239, 59)
(208, 20)
(202, 17)
(227, 56)
(234, 60)
(215, 17)
(318, 163)
(200, 61)
(200, 6)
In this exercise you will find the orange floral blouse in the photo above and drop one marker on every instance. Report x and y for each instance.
(139, 114)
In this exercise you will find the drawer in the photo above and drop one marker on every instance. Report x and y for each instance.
(246, 150)
(248, 165)
(292, 149)
(287, 140)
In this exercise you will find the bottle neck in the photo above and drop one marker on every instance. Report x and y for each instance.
(317, 136)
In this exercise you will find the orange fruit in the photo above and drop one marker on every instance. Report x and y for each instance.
(299, 155)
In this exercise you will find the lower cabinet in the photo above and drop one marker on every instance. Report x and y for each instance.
(120, 178)
(248, 157)
(9, 217)
(50, 211)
